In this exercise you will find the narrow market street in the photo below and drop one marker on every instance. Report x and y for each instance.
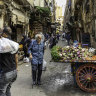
(27, 26)
(56, 80)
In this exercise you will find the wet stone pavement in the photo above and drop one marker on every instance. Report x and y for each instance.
(62, 83)
(56, 80)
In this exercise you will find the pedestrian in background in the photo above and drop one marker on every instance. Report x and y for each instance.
(24, 43)
(36, 52)
(51, 41)
(58, 36)
(46, 35)
(55, 41)
(68, 37)
(63, 36)
(8, 62)
(46, 39)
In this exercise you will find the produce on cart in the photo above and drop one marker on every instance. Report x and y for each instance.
(83, 64)
(71, 53)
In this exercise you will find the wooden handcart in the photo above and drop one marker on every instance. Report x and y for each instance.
(84, 73)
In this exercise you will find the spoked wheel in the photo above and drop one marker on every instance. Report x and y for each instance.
(86, 77)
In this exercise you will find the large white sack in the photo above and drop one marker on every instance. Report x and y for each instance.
(7, 45)
(14, 45)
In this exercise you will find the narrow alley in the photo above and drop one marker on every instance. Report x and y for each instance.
(60, 33)
(56, 80)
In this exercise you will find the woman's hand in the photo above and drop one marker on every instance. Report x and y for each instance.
(30, 56)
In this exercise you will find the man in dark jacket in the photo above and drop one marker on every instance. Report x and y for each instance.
(68, 37)
(52, 41)
(24, 43)
(8, 73)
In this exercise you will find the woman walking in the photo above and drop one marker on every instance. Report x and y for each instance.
(36, 52)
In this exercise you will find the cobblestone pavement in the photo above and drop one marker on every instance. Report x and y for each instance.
(56, 80)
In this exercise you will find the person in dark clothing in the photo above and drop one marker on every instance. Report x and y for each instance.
(68, 37)
(8, 72)
(52, 41)
(24, 42)
(58, 36)
(29, 39)
(46, 36)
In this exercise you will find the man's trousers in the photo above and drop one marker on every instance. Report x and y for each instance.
(6, 80)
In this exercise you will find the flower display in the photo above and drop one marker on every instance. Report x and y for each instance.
(71, 53)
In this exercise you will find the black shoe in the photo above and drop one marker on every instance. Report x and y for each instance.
(39, 83)
(34, 83)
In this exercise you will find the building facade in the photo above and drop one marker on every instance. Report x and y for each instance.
(42, 16)
(82, 19)
(59, 18)
(67, 15)
(16, 14)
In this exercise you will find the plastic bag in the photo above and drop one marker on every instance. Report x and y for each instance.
(26, 60)
(7, 45)
(44, 65)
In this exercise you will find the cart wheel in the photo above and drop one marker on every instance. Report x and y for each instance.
(86, 77)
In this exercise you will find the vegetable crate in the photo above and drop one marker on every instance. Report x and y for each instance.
(84, 73)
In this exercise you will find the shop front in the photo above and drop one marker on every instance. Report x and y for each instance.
(19, 25)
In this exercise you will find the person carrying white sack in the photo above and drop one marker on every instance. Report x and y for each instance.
(8, 62)
(7, 45)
